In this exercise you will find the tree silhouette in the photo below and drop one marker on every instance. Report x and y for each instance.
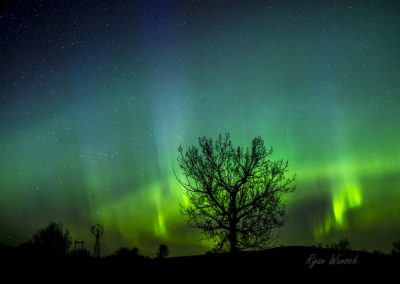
(162, 251)
(52, 240)
(332, 246)
(396, 249)
(379, 252)
(236, 196)
(126, 252)
(344, 244)
(135, 252)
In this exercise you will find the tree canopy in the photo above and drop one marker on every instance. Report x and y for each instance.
(127, 252)
(162, 251)
(236, 196)
(52, 240)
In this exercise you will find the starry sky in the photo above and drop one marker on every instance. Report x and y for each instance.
(97, 96)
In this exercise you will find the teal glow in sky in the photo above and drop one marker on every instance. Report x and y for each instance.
(96, 99)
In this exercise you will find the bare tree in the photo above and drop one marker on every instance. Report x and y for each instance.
(237, 197)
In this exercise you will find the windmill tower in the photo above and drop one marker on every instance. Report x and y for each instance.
(97, 230)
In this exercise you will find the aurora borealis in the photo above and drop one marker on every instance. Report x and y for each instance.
(97, 97)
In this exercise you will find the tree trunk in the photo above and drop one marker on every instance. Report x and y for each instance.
(232, 233)
(233, 239)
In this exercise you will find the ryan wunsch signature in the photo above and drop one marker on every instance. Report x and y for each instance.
(313, 260)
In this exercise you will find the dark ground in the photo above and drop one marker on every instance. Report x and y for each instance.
(286, 262)
(294, 257)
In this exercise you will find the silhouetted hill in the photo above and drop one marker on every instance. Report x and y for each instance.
(295, 258)
(284, 260)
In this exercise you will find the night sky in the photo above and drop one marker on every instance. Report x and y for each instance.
(97, 97)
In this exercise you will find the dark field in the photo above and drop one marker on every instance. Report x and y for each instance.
(293, 258)
(283, 260)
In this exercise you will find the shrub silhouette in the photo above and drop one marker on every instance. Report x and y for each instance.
(162, 251)
(343, 244)
(126, 252)
(319, 245)
(52, 240)
(332, 246)
(379, 252)
(396, 249)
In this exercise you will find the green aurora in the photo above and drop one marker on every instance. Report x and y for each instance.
(96, 101)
